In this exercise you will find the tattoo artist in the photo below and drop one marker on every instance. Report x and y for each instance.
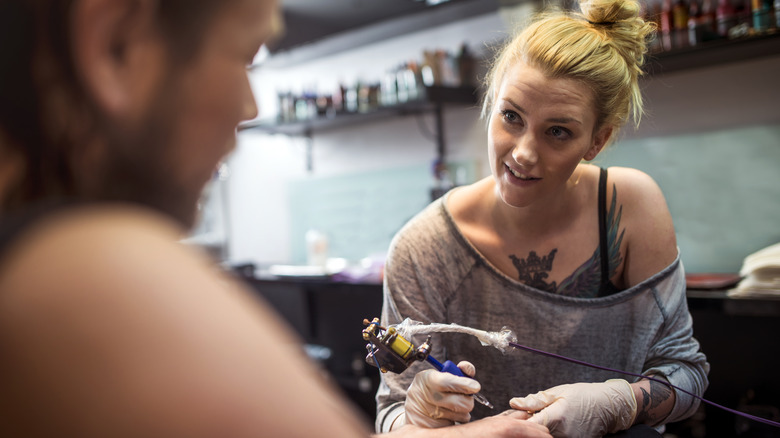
(575, 259)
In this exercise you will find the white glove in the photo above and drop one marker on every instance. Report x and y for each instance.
(582, 409)
(437, 399)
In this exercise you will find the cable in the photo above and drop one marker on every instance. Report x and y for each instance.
(505, 338)
(579, 362)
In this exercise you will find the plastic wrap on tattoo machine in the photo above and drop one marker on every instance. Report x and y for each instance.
(500, 339)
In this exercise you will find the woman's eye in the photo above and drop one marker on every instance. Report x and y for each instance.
(510, 116)
(559, 133)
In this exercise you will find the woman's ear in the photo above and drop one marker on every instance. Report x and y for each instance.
(118, 54)
(599, 141)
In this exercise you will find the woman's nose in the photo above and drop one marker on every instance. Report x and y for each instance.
(524, 151)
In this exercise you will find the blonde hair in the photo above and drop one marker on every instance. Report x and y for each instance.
(604, 47)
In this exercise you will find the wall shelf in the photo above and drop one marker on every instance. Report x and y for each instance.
(713, 53)
(434, 100)
(703, 55)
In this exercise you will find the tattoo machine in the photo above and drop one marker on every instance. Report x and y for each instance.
(389, 351)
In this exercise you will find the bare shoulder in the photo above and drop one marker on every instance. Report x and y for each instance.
(636, 183)
(108, 324)
(652, 243)
(87, 251)
(463, 202)
(98, 244)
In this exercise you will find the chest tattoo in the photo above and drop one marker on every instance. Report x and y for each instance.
(534, 270)
(585, 281)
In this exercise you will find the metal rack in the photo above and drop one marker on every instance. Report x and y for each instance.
(434, 100)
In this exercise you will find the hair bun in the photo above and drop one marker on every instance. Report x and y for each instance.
(609, 11)
(623, 27)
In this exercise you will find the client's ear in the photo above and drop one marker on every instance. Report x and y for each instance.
(118, 53)
(599, 141)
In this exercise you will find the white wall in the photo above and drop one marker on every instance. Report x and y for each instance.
(263, 165)
(691, 101)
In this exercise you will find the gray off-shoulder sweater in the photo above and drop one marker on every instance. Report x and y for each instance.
(433, 274)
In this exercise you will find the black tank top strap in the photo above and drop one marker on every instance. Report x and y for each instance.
(605, 284)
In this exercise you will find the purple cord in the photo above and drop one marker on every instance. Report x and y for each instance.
(579, 362)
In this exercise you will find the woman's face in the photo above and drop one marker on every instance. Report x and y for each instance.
(539, 130)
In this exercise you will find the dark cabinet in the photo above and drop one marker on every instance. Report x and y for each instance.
(328, 316)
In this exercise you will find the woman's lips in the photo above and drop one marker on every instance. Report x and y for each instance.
(520, 176)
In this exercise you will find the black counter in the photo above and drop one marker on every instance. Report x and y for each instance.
(330, 314)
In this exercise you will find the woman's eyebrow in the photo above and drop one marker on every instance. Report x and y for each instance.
(562, 120)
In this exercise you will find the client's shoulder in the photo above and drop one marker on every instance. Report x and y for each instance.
(77, 255)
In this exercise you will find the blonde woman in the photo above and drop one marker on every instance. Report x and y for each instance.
(577, 260)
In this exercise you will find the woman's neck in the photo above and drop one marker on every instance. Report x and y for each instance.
(542, 218)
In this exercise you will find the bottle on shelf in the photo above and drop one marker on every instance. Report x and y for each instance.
(389, 95)
(286, 103)
(726, 15)
(761, 10)
(695, 23)
(364, 98)
(667, 24)
(413, 80)
(351, 98)
(449, 73)
(701, 22)
(777, 14)
(709, 19)
(325, 107)
(467, 67)
(338, 99)
(429, 69)
(680, 25)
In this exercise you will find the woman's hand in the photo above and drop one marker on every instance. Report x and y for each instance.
(437, 399)
(582, 409)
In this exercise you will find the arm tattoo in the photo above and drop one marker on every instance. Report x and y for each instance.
(658, 394)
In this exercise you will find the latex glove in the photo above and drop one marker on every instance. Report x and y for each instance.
(582, 409)
(437, 399)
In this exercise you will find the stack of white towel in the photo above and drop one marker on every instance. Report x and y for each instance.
(760, 275)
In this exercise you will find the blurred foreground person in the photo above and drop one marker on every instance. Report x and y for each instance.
(113, 116)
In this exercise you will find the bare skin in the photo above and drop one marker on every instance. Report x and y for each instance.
(508, 424)
(134, 334)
